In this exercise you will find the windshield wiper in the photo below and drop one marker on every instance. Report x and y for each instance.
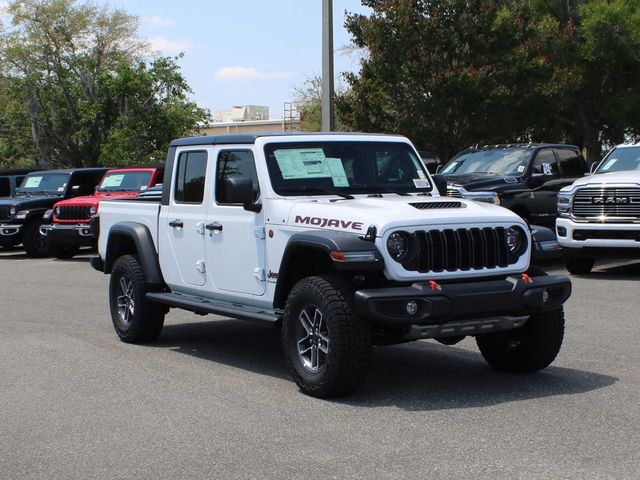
(378, 189)
(326, 191)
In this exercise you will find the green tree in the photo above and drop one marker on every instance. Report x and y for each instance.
(457, 72)
(90, 93)
(308, 97)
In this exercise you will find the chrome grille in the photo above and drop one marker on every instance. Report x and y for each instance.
(73, 212)
(461, 249)
(5, 215)
(607, 202)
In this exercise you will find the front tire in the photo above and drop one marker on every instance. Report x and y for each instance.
(326, 345)
(135, 319)
(579, 265)
(527, 349)
(35, 244)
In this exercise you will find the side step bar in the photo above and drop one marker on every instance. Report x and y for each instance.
(205, 307)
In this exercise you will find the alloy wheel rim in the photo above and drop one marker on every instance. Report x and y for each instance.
(312, 339)
(125, 300)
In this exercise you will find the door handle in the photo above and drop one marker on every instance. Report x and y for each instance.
(214, 227)
(176, 224)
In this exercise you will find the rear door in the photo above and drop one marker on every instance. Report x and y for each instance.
(181, 223)
(235, 238)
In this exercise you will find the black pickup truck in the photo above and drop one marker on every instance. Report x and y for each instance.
(525, 177)
(10, 179)
(21, 215)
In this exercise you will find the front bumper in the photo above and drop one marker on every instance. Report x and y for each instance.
(512, 297)
(597, 235)
(10, 230)
(78, 235)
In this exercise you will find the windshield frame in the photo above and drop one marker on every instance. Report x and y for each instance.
(527, 167)
(599, 170)
(125, 173)
(275, 172)
(22, 191)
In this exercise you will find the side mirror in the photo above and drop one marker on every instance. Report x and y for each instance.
(441, 184)
(240, 191)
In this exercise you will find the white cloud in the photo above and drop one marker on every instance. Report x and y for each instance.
(168, 46)
(156, 21)
(239, 72)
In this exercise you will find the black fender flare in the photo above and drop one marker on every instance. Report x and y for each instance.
(326, 241)
(145, 248)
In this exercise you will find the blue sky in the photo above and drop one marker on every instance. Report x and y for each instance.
(244, 51)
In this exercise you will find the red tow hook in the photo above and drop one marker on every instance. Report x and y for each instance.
(435, 286)
(526, 278)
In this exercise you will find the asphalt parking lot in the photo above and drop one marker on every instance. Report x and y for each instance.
(212, 397)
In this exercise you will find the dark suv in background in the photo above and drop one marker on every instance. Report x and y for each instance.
(10, 179)
(525, 177)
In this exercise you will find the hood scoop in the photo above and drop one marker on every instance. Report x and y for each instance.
(434, 205)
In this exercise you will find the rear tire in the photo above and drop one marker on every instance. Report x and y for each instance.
(527, 349)
(61, 252)
(135, 319)
(326, 345)
(579, 265)
(35, 244)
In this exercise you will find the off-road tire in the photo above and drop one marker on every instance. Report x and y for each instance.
(527, 349)
(62, 252)
(349, 353)
(579, 265)
(34, 243)
(146, 318)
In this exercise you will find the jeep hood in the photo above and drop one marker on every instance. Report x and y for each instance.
(94, 200)
(25, 203)
(628, 177)
(359, 214)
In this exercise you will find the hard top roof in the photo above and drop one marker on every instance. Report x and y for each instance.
(16, 171)
(251, 138)
(73, 170)
(519, 145)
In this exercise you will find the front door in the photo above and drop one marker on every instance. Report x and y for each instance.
(182, 221)
(235, 240)
(545, 179)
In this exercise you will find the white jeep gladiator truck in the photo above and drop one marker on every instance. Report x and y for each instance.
(343, 239)
(599, 215)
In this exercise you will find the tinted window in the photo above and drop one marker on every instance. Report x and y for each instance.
(5, 187)
(571, 162)
(235, 164)
(503, 161)
(620, 160)
(49, 183)
(191, 174)
(545, 163)
(124, 181)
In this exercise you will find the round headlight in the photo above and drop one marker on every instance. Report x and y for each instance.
(12, 211)
(399, 245)
(57, 211)
(92, 211)
(516, 240)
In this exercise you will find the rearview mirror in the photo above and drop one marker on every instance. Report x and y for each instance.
(240, 191)
(441, 184)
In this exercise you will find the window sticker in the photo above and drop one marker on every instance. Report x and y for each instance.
(112, 181)
(521, 168)
(338, 175)
(143, 187)
(61, 189)
(420, 183)
(609, 163)
(33, 182)
(421, 174)
(546, 169)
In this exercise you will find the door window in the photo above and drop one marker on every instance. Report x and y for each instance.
(5, 187)
(545, 163)
(190, 178)
(571, 163)
(235, 164)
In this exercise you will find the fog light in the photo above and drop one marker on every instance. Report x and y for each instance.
(562, 232)
(412, 308)
(545, 295)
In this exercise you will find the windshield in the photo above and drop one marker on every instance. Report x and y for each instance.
(621, 159)
(125, 181)
(345, 168)
(47, 183)
(511, 162)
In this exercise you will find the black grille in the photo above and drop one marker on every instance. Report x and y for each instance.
(430, 205)
(73, 213)
(461, 249)
(606, 235)
(5, 216)
(609, 202)
(453, 192)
